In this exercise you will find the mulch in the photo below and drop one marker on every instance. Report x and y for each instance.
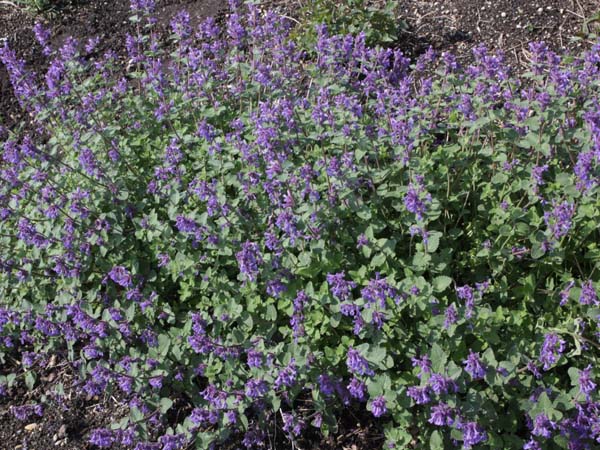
(455, 26)
(458, 26)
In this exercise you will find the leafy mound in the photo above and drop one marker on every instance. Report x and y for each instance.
(278, 234)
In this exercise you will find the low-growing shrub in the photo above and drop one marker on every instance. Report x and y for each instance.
(379, 22)
(282, 237)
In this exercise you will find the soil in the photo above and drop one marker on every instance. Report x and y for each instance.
(458, 26)
(455, 26)
(82, 19)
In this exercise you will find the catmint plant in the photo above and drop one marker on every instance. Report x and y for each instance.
(263, 235)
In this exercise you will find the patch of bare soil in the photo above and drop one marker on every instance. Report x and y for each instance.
(82, 19)
(458, 26)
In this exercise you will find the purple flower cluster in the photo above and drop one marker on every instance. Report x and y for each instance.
(417, 198)
(379, 406)
(473, 434)
(559, 219)
(552, 348)
(25, 412)
(474, 366)
(249, 260)
(357, 364)
(121, 276)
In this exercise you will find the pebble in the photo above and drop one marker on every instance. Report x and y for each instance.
(31, 426)
(502, 14)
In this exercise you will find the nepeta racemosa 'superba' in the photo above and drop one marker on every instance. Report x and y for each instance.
(280, 235)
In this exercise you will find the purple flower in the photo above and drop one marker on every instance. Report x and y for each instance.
(564, 294)
(424, 364)
(473, 434)
(362, 241)
(586, 385)
(24, 412)
(536, 174)
(231, 417)
(121, 276)
(163, 259)
(474, 366)
(532, 367)
(172, 441)
(552, 348)
(588, 294)
(91, 44)
(286, 376)
(147, 446)
(297, 319)
(42, 35)
(88, 162)
(466, 293)
(102, 438)
(416, 198)
(378, 290)
(145, 6)
(156, 382)
(441, 385)
(249, 260)
(450, 317)
(186, 225)
(441, 415)
(254, 358)
(256, 388)
(357, 389)
(326, 385)
(420, 394)
(339, 286)
(532, 445)
(180, 25)
(558, 220)
(275, 288)
(542, 426)
(378, 406)
(357, 364)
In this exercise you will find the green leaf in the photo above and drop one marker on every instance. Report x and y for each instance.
(165, 404)
(441, 282)
(378, 260)
(375, 355)
(30, 379)
(433, 241)
(436, 441)
(438, 358)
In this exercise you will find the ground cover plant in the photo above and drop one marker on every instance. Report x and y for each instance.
(272, 234)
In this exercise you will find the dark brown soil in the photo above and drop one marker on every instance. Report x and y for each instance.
(82, 19)
(458, 26)
(448, 25)
(66, 420)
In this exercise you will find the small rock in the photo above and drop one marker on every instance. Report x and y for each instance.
(502, 14)
(540, 10)
(62, 431)
(31, 426)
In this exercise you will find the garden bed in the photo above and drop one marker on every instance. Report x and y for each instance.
(453, 26)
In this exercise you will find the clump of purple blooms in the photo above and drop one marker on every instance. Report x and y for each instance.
(231, 220)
